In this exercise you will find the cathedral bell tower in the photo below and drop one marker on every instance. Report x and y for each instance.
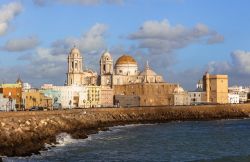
(106, 68)
(75, 64)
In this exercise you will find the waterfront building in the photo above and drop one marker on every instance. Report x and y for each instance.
(13, 92)
(216, 88)
(73, 96)
(47, 86)
(125, 71)
(76, 75)
(151, 94)
(55, 95)
(93, 96)
(6, 104)
(33, 97)
(198, 96)
(233, 98)
(241, 91)
(106, 96)
(180, 96)
(26, 86)
(127, 100)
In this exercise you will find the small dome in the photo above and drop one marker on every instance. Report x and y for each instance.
(75, 52)
(178, 89)
(125, 59)
(106, 55)
(148, 72)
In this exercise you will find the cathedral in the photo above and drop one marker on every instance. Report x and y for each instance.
(124, 72)
(76, 75)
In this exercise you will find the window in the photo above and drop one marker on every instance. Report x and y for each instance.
(104, 67)
(72, 64)
(76, 65)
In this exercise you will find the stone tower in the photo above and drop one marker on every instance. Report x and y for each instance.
(106, 68)
(75, 64)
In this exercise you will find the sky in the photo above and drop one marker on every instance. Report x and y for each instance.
(181, 39)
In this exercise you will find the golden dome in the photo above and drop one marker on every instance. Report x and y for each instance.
(125, 59)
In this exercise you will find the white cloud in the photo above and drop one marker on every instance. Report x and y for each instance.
(7, 13)
(50, 64)
(159, 37)
(90, 42)
(241, 61)
(239, 64)
(21, 44)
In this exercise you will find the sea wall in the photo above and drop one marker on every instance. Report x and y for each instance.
(24, 133)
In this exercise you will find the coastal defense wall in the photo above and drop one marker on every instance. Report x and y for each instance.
(24, 133)
(151, 94)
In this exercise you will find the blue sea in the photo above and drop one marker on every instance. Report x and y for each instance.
(220, 140)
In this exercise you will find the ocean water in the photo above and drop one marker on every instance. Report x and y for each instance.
(220, 140)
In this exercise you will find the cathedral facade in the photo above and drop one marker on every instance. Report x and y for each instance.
(125, 71)
(76, 75)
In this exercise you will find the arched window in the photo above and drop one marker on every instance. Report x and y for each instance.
(76, 65)
(104, 68)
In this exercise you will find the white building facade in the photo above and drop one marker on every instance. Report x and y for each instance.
(180, 97)
(242, 92)
(73, 96)
(233, 98)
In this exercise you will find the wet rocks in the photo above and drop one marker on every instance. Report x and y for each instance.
(25, 133)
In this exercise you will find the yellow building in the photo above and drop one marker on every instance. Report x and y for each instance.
(216, 88)
(93, 96)
(33, 97)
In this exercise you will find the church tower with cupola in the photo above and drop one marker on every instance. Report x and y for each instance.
(106, 69)
(75, 64)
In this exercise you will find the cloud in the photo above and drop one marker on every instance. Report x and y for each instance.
(90, 42)
(7, 13)
(238, 68)
(21, 44)
(78, 2)
(240, 64)
(159, 37)
(241, 61)
(49, 64)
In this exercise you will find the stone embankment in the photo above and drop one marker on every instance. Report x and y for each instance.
(24, 133)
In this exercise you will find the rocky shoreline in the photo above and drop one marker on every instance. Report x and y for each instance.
(26, 133)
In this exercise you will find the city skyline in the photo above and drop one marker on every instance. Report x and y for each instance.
(180, 38)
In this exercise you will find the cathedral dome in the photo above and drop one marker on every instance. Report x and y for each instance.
(125, 59)
(126, 65)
